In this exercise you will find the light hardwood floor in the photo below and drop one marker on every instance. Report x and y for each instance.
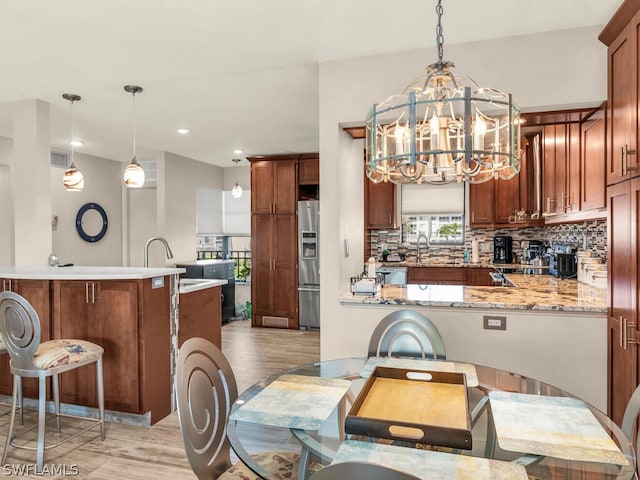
(133, 453)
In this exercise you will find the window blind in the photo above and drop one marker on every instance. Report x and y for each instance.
(425, 198)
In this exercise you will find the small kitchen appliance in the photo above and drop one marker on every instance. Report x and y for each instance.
(563, 262)
(502, 249)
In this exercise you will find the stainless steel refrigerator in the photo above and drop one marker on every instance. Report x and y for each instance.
(309, 264)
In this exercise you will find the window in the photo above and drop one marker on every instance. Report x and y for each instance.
(440, 229)
(437, 211)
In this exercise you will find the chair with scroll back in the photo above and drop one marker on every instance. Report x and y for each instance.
(629, 421)
(29, 358)
(360, 471)
(205, 391)
(406, 333)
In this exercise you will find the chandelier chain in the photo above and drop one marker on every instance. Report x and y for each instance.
(439, 34)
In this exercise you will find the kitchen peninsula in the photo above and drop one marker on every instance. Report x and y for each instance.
(130, 312)
(550, 329)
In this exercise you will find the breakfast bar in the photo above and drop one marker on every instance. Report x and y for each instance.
(131, 312)
(532, 326)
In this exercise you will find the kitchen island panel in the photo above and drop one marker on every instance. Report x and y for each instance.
(200, 316)
(565, 349)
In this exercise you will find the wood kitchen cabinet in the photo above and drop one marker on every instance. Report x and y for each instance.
(37, 294)
(104, 312)
(201, 316)
(479, 277)
(624, 290)
(622, 112)
(437, 275)
(561, 169)
(309, 169)
(274, 247)
(481, 204)
(274, 185)
(380, 205)
(593, 161)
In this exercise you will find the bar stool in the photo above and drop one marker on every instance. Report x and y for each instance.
(20, 329)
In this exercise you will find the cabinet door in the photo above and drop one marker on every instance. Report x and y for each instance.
(285, 276)
(593, 161)
(623, 368)
(507, 198)
(479, 277)
(118, 335)
(261, 262)
(571, 201)
(76, 316)
(262, 185)
(622, 115)
(309, 171)
(380, 205)
(38, 294)
(481, 204)
(285, 187)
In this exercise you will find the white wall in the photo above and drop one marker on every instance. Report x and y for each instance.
(6, 203)
(551, 70)
(102, 185)
(179, 177)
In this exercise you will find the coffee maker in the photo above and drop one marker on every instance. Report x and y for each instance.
(502, 252)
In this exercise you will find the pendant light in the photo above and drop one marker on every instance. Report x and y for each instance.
(133, 174)
(72, 179)
(236, 191)
(443, 128)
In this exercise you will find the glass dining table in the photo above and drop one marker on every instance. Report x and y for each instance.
(520, 427)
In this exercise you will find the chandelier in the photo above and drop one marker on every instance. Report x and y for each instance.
(443, 128)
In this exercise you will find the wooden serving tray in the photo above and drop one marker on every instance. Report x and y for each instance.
(413, 406)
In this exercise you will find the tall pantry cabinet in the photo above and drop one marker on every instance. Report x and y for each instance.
(621, 35)
(274, 251)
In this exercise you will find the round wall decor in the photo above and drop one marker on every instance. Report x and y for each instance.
(83, 234)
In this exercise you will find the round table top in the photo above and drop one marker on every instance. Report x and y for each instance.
(489, 435)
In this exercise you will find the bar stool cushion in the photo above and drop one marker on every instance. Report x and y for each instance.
(56, 353)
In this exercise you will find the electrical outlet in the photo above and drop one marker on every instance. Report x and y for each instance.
(490, 322)
(485, 247)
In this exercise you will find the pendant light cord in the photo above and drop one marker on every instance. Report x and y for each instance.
(134, 127)
(73, 165)
(439, 34)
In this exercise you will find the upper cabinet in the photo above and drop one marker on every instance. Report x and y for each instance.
(623, 82)
(380, 205)
(592, 163)
(309, 169)
(274, 185)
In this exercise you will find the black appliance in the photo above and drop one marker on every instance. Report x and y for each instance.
(563, 262)
(502, 251)
(221, 270)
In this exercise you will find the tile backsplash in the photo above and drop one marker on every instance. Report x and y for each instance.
(590, 235)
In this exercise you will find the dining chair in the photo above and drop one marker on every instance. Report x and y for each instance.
(30, 358)
(360, 471)
(629, 420)
(406, 333)
(206, 390)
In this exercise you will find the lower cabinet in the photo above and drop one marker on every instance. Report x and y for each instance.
(200, 316)
(624, 294)
(470, 276)
(104, 312)
(37, 293)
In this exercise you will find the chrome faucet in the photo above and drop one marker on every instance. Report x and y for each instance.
(426, 239)
(146, 249)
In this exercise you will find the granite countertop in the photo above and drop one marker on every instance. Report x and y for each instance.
(529, 292)
(85, 273)
(433, 264)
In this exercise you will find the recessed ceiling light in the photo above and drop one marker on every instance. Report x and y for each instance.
(238, 151)
(183, 131)
(76, 143)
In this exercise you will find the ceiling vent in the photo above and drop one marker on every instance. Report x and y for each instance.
(150, 172)
(60, 160)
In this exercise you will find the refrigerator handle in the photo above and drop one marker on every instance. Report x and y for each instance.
(308, 289)
(346, 247)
